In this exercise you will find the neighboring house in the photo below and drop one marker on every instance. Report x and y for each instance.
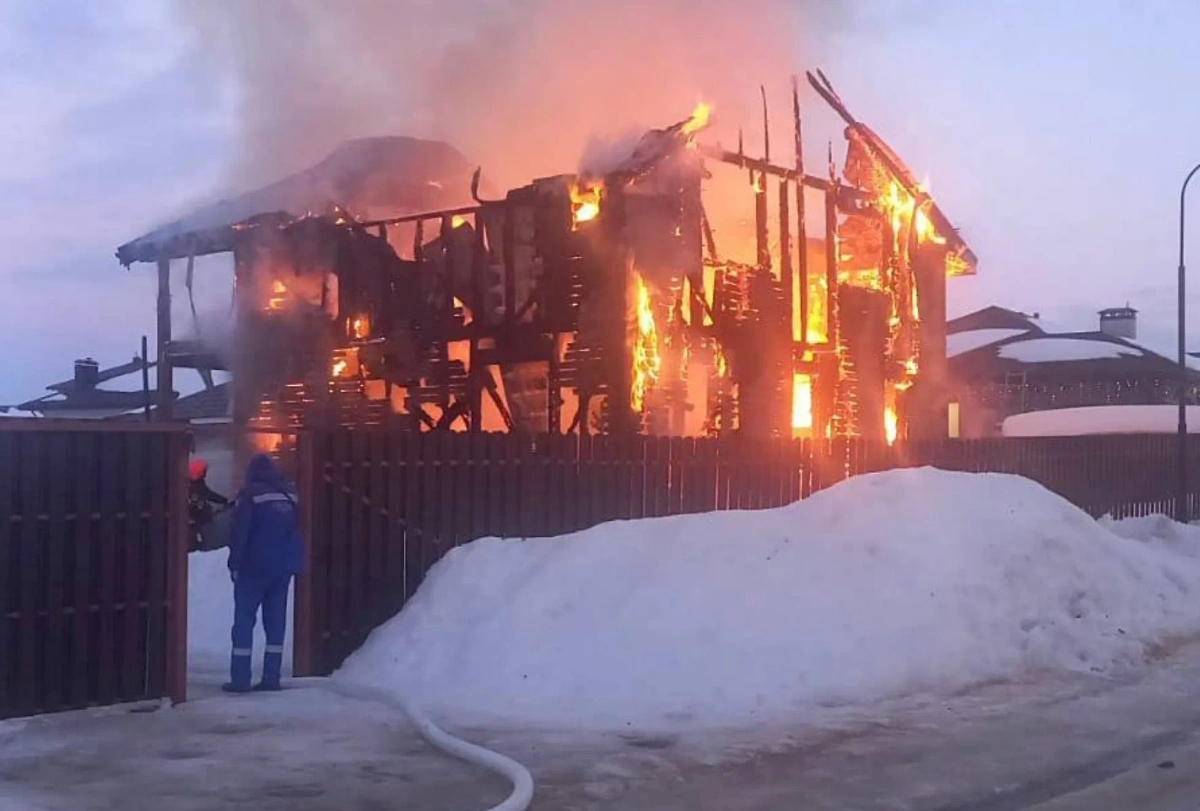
(1005, 362)
(82, 398)
(116, 394)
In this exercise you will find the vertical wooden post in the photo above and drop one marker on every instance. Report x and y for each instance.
(801, 235)
(177, 568)
(146, 378)
(302, 624)
(831, 253)
(166, 381)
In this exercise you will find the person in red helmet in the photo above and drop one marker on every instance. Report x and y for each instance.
(201, 499)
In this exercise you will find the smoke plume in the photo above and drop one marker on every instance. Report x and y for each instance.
(519, 86)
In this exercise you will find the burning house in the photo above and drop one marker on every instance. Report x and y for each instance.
(597, 303)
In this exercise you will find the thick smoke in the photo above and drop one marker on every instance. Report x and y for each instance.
(520, 86)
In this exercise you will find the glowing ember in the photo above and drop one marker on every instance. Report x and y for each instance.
(802, 406)
(278, 297)
(890, 425)
(646, 361)
(458, 221)
(585, 202)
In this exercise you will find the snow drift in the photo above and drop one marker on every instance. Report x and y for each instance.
(885, 584)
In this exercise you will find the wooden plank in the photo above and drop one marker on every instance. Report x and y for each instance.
(30, 652)
(635, 450)
(587, 503)
(307, 489)
(414, 538)
(177, 555)
(59, 483)
(87, 473)
(556, 463)
(465, 495)
(337, 600)
(497, 483)
(159, 537)
(107, 662)
(357, 540)
(675, 486)
(444, 499)
(132, 550)
(380, 583)
(22, 425)
(9, 464)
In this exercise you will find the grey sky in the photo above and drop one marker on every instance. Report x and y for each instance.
(1055, 134)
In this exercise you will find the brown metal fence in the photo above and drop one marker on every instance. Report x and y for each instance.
(93, 564)
(382, 507)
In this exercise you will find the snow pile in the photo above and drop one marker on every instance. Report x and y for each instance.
(885, 584)
(210, 617)
(1114, 419)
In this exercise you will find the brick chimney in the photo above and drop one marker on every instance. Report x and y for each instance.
(1119, 322)
(87, 374)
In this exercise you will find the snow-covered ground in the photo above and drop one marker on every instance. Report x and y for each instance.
(966, 640)
(885, 585)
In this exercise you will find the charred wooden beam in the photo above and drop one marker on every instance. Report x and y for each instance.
(742, 161)
(424, 215)
(787, 276)
(489, 384)
(801, 231)
(166, 378)
(831, 254)
(762, 236)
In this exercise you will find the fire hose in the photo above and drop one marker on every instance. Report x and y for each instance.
(522, 781)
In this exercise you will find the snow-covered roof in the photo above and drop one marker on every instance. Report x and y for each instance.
(1057, 349)
(1108, 419)
(959, 343)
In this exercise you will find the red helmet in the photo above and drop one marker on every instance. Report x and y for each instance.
(197, 470)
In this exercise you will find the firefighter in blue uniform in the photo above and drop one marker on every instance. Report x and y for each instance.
(265, 552)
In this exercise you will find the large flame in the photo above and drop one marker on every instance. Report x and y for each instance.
(646, 360)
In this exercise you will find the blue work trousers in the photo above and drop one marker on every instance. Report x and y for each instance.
(249, 593)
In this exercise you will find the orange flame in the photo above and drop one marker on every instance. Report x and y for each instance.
(360, 327)
(802, 404)
(646, 361)
(699, 119)
(585, 201)
(278, 297)
(891, 425)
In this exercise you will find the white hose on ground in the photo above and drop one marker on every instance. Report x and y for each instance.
(522, 781)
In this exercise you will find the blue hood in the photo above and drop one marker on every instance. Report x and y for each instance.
(262, 470)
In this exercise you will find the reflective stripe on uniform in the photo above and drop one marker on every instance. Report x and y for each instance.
(263, 498)
(242, 652)
(274, 649)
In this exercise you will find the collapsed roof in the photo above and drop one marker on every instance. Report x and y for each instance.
(372, 178)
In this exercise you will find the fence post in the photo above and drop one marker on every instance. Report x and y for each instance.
(177, 580)
(302, 625)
